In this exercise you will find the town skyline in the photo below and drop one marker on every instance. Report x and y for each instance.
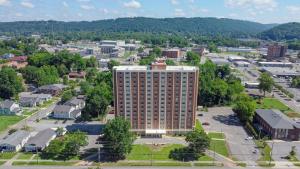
(263, 11)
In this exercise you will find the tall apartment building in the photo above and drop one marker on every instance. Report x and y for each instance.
(157, 99)
(276, 51)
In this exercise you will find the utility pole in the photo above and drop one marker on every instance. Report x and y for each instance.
(271, 153)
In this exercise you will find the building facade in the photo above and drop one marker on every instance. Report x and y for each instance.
(171, 53)
(276, 51)
(157, 99)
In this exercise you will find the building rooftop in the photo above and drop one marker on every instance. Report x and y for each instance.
(144, 68)
(62, 108)
(41, 138)
(6, 104)
(15, 138)
(275, 118)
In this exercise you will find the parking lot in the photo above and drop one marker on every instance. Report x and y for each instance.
(281, 149)
(222, 119)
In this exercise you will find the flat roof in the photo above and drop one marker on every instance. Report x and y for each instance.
(144, 68)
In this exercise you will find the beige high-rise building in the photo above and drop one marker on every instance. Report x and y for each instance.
(156, 99)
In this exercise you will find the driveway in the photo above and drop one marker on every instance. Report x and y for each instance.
(282, 149)
(222, 119)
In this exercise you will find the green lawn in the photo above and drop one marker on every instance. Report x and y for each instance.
(6, 121)
(7, 156)
(216, 135)
(272, 103)
(25, 156)
(50, 163)
(264, 150)
(148, 152)
(2, 162)
(219, 146)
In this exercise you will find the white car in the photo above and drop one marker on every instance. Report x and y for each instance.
(249, 138)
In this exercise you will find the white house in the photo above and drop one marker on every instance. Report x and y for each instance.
(66, 112)
(9, 107)
(40, 141)
(15, 141)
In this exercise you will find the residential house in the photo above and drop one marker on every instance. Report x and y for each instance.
(19, 59)
(276, 124)
(9, 107)
(15, 141)
(66, 112)
(77, 103)
(54, 89)
(31, 100)
(69, 110)
(40, 141)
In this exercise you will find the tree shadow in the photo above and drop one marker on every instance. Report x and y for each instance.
(231, 120)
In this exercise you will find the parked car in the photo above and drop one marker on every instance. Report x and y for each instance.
(205, 123)
(249, 138)
(200, 114)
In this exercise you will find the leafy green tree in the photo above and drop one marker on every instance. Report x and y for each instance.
(245, 107)
(219, 88)
(118, 138)
(266, 83)
(147, 60)
(198, 142)
(92, 62)
(112, 63)
(67, 95)
(97, 101)
(10, 83)
(170, 62)
(192, 58)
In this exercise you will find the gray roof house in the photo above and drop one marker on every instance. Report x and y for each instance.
(15, 141)
(8, 107)
(77, 103)
(66, 112)
(276, 124)
(40, 141)
(32, 100)
(53, 89)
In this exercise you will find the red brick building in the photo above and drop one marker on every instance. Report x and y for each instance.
(276, 51)
(171, 53)
(158, 99)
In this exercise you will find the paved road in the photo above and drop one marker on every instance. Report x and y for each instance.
(222, 119)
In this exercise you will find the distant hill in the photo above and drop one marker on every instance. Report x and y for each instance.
(183, 26)
(287, 31)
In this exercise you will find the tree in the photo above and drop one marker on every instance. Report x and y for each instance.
(118, 138)
(219, 88)
(10, 83)
(67, 95)
(192, 58)
(198, 142)
(112, 63)
(97, 101)
(266, 83)
(244, 108)
(170, 62)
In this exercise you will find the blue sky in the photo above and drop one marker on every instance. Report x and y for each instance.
(264, 11)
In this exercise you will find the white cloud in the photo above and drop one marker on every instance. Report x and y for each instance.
(174, 2)
(27, 4)
(104, 11)
(191, 1)
(293, 9)
(4, 2)
(132, 4)
(87, 7)
(268, 5)
(233, 15)
(83, 0)
(204, 10)
(18, 14)
(179, 12)
(65, 4)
